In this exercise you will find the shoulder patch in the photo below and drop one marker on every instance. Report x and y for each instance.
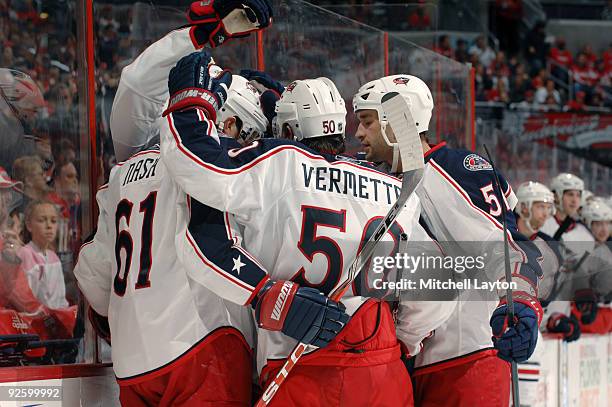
(474, 162)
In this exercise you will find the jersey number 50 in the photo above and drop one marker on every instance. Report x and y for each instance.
(310, 244)
(124, 241)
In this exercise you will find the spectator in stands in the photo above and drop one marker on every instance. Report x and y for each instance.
(419, 19)
(551, 104)
(519, 84)
(461, 53)
(29, 171)
(482, 50)
(499, 93)
(584, 75)
(444, 47)
(606, 13)
(560, 54)
(536, 49)
(508, 15)
(499, 66)
(42, 266)
(578, 104)
(607, 56)
(528, 102)
(544, 93)
(540, 79)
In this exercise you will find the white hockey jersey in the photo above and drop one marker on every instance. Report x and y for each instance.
(135, 120)
(462, 212)
(304, 215)
(131, 271)
(577, 238)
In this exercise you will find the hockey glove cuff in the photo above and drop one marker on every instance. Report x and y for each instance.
(100, 324)
(196, 82)
(216, 21)
(568, 326)
(516, 343)
(302, 313)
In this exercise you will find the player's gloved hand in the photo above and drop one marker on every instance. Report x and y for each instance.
(302, 313)
(216, 21)
(264, 79)
(196, 81)
(518, 342)
(568, 326)
(586, 304)
(100, 324)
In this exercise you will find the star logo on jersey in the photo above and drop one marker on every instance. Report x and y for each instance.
(238, 264)
(402, 80)
(474, 162)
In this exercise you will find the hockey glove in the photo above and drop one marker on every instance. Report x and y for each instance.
(568, 326)
(302, 313)
(586, 304)
(196, 82)
(100, 324)
(263, 78)
(216, 21)
(518, 342)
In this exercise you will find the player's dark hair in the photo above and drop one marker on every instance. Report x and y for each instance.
(333, 144)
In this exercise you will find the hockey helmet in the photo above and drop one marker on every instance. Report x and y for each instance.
(530, 192)
(564, 182)
(21, 94)
(595, 210)
(411, 88)
(311, 108)
(243, 102)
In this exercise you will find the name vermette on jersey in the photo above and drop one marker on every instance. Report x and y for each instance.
(345, 182)
(141, 169)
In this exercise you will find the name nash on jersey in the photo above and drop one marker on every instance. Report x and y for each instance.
(141, 169)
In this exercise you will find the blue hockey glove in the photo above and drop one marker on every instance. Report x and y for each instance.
(302, 313)
(196, 81)
(518, 342)
(216, 21)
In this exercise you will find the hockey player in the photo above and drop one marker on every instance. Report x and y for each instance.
(535, 205)
(174, 342)
(294, 203)
(568, 190)
(595, 283)
(460, 207)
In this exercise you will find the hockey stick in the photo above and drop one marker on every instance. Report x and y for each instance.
(509, 301)
(411, 151)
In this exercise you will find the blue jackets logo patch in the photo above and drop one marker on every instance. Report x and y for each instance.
(474, 162)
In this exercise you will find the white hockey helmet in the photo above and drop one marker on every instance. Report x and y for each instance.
(243, 102)
(311, 108)
(412, 89)
(530, 192)
(586, 197)
(564, 182)
(595, 211)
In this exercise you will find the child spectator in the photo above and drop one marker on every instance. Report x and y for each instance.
(40, 263)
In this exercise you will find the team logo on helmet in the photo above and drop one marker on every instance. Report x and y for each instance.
(291, 86)
(402, 80)
(474, 162)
